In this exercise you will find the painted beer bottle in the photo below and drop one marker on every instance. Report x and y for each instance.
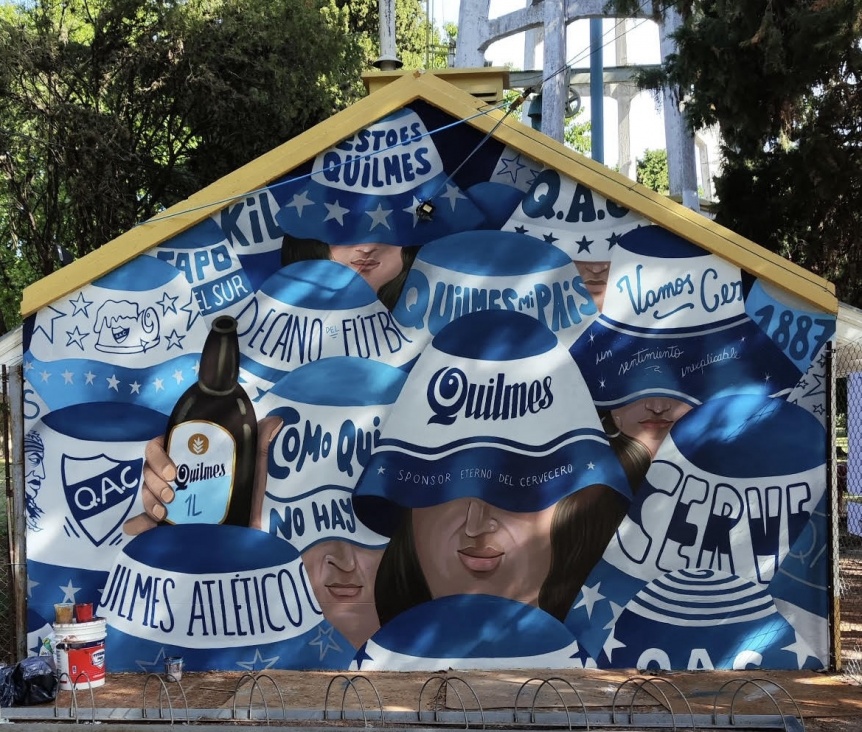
(212, 438)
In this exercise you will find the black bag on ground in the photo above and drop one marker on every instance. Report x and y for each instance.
(7, 686)
(34, 680)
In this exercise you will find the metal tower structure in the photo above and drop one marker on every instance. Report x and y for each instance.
(548, 20)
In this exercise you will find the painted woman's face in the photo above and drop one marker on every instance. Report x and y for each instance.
(377, 263)
(467, 546)
(595, 277)
(650, 419)
(342, 577)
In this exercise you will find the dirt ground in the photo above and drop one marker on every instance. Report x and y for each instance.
(825, 701)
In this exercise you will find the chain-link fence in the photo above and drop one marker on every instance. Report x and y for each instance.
(847, 416)
(7, 604)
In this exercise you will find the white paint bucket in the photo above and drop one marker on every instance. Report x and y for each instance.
(79, 649)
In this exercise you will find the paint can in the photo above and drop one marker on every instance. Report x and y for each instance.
(80, 653)
(174, 668)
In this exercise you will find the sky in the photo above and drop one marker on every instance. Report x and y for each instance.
(647, 128)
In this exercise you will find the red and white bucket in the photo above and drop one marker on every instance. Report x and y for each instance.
(79, 649)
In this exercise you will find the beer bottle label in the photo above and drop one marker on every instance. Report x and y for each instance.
(205, 456)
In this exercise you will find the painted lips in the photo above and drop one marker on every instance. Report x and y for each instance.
(344, 591)
(364, 265)
(656, 424)
(480, 559)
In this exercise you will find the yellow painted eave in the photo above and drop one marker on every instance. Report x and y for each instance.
(459, 104)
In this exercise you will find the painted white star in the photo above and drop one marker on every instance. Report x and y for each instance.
(379, 216)
(69, 592)
(28, 365)
(601, 383)
(801, 649)
(818, 387)
(80, 305)
(196, 367)
(48, 328)
(178, 375)
(335, 211)
(767, 378)
(168, 303)
(89, 376)
(611, 644)
(299, 202)
(452, 194)
(135, 387)
(175, 339)
(113, 382)
(591, 465)
(324, 640)
(158, 661)
(616, 611)
(511, 167)
(381, 470)
(192, 310)
(412, 209)
(258, 659)
(31, 583)
(589, 597)
(45, 375)
(67, 376)
(77, 337)
(158, 384)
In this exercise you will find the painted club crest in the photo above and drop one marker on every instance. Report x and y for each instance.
(100, 491)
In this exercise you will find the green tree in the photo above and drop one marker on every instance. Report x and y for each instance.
(652, 171)
(781, 81)
(412, 29)
(112, 110)
(578, 134)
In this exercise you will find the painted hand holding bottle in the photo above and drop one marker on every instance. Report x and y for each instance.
(212, 438)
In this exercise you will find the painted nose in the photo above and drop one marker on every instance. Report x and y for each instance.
(479, 519)
(657, 405)
(341, 556)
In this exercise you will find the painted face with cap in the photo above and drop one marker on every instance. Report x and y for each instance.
(342, 577)
(649, 420)
(468, 546)
(377, 263)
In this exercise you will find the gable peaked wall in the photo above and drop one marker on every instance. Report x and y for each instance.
(460, 105)
(555, 421)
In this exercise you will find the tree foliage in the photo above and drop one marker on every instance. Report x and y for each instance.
(577, 134)
(781, 80)
(112, 110)
(652, 171)
(413, 31)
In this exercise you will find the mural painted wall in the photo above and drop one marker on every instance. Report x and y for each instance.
(327, 429)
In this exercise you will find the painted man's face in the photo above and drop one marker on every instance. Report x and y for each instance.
(377, 263)
(35, 471)
(467, 546)
(342, 577)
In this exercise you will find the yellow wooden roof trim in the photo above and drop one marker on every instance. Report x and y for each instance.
(657, 208)
(250, 177)
(457, 103)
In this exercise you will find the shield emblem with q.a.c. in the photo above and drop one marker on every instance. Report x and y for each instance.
(100, 491)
